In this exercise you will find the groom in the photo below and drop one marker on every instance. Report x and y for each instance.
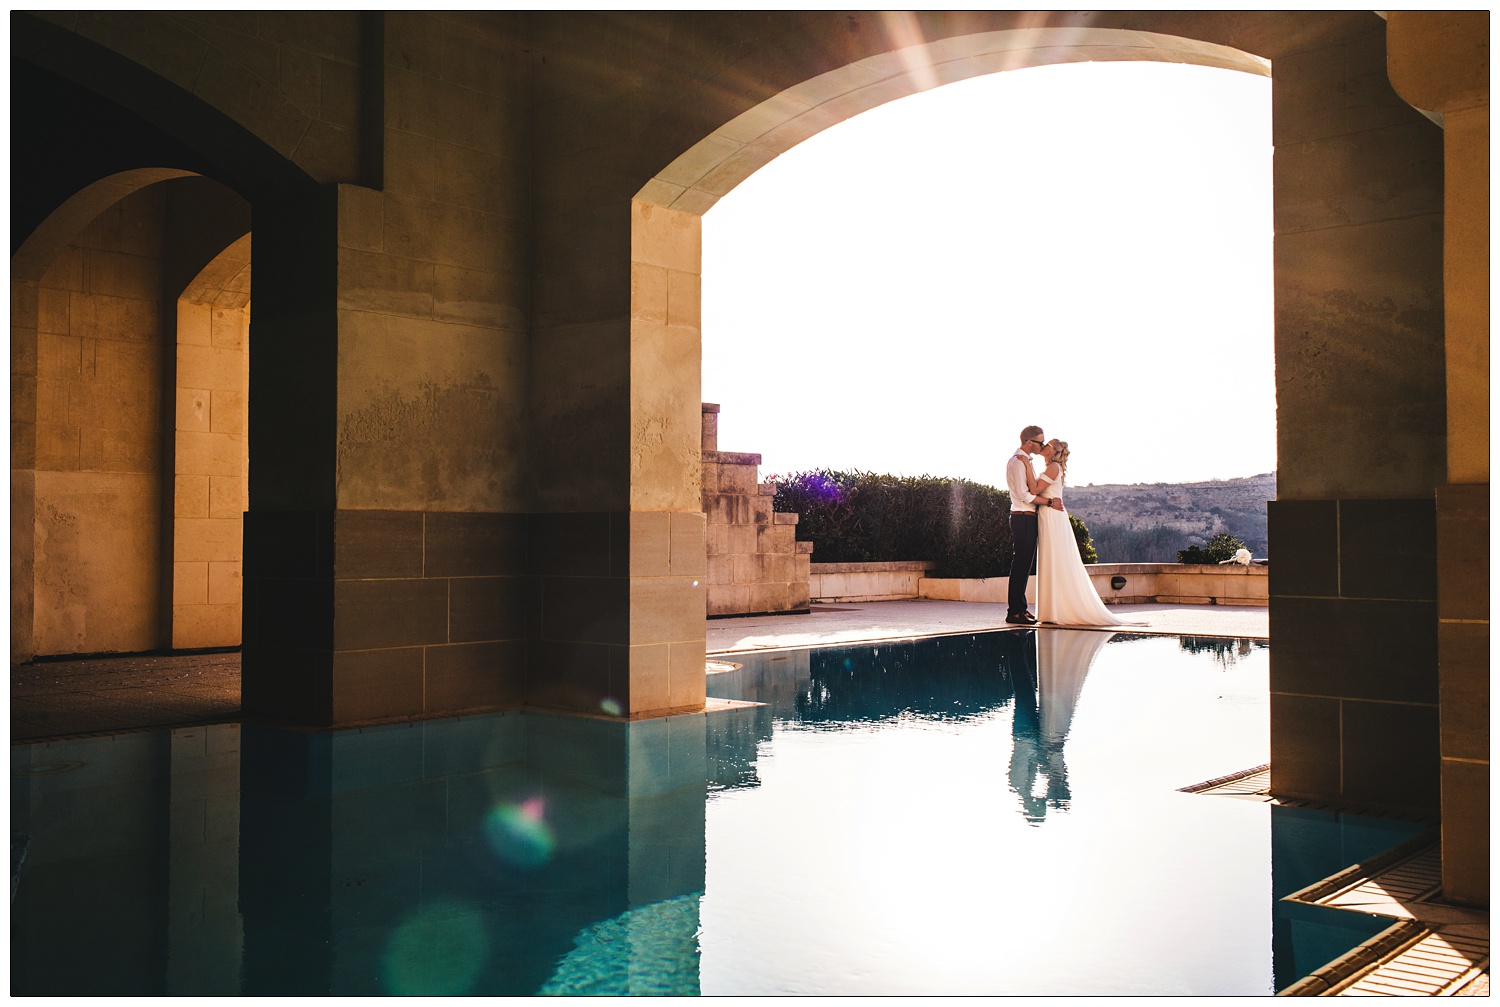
(1023, 508)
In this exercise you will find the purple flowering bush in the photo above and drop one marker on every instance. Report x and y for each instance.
(861, 517)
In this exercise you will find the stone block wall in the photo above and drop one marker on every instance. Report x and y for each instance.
(890, 581)
(755, 563)
(210, 487)
(98, 372)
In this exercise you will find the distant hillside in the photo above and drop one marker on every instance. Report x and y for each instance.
(1149, 522)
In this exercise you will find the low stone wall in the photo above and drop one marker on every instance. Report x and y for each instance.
(1170, 583)
(832, 582)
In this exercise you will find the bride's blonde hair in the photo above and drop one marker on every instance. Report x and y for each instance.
(1059, 453)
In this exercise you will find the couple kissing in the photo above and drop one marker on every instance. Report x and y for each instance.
(1041, 534)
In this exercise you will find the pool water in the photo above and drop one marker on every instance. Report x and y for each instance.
(994, 813)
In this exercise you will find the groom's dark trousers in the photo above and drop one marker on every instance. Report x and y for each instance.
(1022, 558)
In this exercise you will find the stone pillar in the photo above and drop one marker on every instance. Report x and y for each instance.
(382, 578)
(1439, 62)
(668, 529)
(387, 539)
(1360, 429)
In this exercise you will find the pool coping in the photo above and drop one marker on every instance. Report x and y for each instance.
(1431, 948)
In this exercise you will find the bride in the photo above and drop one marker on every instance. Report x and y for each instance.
(1064, 594)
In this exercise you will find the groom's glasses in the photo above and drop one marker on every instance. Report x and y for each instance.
(1036, 442)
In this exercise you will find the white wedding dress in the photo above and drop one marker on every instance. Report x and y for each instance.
(1064, 594)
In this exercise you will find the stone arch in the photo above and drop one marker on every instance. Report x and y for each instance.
(1359, 342)
(667, 211)
(93, 359)
(708, 170)
(160, 82)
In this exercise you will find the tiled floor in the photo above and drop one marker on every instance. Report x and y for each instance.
(858, 622)
(50, 699)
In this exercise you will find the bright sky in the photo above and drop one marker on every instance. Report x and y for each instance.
(1083, 246)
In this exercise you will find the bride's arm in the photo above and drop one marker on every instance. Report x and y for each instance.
(1048, 477)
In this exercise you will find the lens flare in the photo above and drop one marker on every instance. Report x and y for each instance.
(438, 951)
(519, 833)
(610, 706)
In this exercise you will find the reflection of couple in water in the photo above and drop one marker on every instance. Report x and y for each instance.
(1048, 681)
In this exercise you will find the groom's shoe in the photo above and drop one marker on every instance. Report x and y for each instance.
(1016, 620)
(1028, 618)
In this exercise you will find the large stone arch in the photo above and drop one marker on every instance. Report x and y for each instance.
(667, 210)
(1356, 179)
(1378, 400)
(666, 218)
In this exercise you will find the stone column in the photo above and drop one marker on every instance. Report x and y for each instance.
(1439, 62)
(386, 565)
(1360, 429)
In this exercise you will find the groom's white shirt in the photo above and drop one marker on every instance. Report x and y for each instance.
(1021, 499)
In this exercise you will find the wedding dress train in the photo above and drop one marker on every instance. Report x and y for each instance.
(1064, 594)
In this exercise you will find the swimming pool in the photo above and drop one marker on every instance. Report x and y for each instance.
(994, 813)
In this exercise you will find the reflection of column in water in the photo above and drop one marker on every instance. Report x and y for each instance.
(775, 679)
(732, 745)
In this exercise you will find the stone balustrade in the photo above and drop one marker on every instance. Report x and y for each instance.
(1170, 583)
(834, 582)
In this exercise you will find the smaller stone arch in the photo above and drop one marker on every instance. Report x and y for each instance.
(93, 360)
(42, 247)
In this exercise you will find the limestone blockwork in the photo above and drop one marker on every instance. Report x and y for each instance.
(756, 565)
(473, 423)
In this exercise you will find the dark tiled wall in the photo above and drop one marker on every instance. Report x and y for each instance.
(1354, 656)
(579, 609)
(357, 616)
(368, 615)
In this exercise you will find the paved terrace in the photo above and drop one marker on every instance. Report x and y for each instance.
(860, 622)
(53, 699)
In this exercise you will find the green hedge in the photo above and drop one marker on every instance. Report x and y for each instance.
(1217, 549)
(860, 517)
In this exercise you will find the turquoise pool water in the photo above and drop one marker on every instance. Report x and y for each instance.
(996, 813)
